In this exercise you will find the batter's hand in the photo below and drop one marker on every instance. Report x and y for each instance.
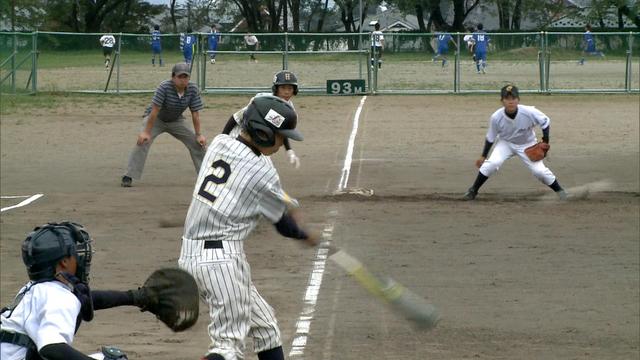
(143, 137)
(293, 158)
(480, 160)
(201, 140)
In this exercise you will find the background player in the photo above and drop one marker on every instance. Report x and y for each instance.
(285, 86)
(443, 40)
(252, 45)
(171, 99)
(237, 186)
(107, 41)
(189, 46)
(214, 39)
(49, 309)
(377, 45)
(156, 45)
(513, 128)
(589, 42)
(480, 45)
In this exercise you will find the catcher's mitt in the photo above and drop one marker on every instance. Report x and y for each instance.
(172, 295)
(537, 152)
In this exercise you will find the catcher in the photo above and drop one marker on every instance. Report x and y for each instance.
(48, 310)
(512, 126)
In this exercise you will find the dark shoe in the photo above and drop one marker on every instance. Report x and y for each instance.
(126, 181)
(470, 195)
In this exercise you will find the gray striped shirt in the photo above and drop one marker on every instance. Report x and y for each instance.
(235, 188)
(171, 104)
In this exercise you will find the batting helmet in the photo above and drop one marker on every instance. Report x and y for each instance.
(285, 77)
(46, 245)
(268, 115)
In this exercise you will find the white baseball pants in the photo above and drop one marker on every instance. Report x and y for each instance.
(504, 150)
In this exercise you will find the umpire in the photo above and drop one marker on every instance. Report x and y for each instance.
(171, 99)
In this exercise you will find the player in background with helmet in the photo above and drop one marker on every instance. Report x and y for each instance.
(589, 42)
(480, 44)
(171, 99)
(285, 86)
(108, 41)
(512, 129)
(443, 40)
(377, 45)
(156, 45)
(236, 187)
(48, 311)
(213, 40)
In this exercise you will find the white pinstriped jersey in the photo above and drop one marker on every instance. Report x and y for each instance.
(235, 188)
(518, 131)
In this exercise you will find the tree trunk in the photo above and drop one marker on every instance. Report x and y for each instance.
(517, 15)
(420, 17)
(503, 14)
(294, 6)
(435, 15)
(172, 11)
(323, 16)
(627, 12)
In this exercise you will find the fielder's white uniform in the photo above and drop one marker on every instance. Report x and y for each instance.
(107, 41)
(513, 137)
(236, 187)
(47, 313)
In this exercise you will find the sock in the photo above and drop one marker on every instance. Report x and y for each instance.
(272, 354)
(480, 179)
(555, 186)
(213, 357)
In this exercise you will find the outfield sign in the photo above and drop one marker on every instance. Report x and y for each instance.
(336, 87)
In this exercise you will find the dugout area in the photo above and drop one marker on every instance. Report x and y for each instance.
(515, 276)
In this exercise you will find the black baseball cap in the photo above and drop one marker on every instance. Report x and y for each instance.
(509, 90)
(181, 68)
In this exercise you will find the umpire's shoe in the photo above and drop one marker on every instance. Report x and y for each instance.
(126, 181)
(470, 194)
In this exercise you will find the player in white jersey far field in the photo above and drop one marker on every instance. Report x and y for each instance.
(108, 42)
(285, 86)
(512, 129)
(236, 187)
(377, 45)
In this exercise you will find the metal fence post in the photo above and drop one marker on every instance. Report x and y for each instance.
(13, 63)
(456, 66)
(118, 63)
(541, 61)
(629, 67)
(34, 63)
(285, 54)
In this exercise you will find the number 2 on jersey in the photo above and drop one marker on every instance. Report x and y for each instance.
(226, 172)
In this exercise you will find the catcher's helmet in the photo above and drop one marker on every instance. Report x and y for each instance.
(268, 115)
(48, 244)
(285, 77)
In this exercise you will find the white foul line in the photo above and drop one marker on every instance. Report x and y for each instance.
(346, 168)
(303, 325)
(22, 203)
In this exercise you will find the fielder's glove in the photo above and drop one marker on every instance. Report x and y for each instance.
(537, 152)
(172, 295)
(293, 158)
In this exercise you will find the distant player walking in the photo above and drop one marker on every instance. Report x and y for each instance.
(511, 128)
(236, 187)
(156, 45)
(171, 99)
(480, 45)
(213, 40)
(253, 45)
(589, 42)
(189, 45)
(443, 40)
(377, 45)
(107, 41)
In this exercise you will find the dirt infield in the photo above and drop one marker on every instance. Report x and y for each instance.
(515, 274)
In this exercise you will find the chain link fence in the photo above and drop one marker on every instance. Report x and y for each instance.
(547, 62)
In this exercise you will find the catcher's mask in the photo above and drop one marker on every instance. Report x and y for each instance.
(285, 77)
(46, 245)
(268, 115)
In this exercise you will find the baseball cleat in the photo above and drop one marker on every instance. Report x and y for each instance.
(470, 194)
(126, 181)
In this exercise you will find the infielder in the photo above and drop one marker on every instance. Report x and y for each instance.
(236, 187)
(108, 42)
(156, 45)
(480, 45)
(48, 311)
(377, 45)
(171, 99)
(512, 126)
(285, 86)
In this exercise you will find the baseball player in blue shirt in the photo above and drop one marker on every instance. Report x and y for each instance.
(214, 39)
(443, 40)
(589, 45)
(189, 46)
(156, 47)
(481, 42)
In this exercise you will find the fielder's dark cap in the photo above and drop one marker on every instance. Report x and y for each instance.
(509, 90)
(181, 68)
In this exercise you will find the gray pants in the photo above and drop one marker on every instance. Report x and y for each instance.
(179, 130)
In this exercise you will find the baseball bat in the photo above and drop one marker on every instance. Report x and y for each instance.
(409, 304)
